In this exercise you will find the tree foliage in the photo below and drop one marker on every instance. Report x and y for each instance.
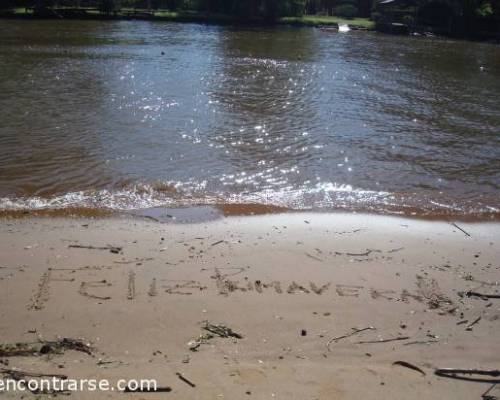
(455, 17)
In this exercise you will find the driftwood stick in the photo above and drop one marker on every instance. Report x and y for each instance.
(354, 332)
(464, 231)
(44, 347)
(112, 249)
(384, 340)
(483, 296)
(185, 380)
(221, 330)
(469, 327)
(160, 389)
(408, 365)
(421, 342)
(18, 374)
(455, 373)
(365, 254)
(485, 395)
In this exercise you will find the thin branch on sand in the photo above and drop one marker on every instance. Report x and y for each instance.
(384, 340)
(354, 332)
(464, 231)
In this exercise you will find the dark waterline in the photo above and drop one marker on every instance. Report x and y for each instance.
(126, 115)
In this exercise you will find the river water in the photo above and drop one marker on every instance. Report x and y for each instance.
(127, 115)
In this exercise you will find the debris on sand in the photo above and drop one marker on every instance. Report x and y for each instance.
(469, 327)
(354, 332)
(22, 378)
(408, 365)
(137, 261)
(159, 389)
(421, 342)
(43, 347)
(185, 380)
(17, 374)
(486, 395)
(384, 340)
(112, 249)
(221, 331)
(364, 254)
(482, 296)
(429, 290)
(472, 375)
(213, 331)
(461, 229)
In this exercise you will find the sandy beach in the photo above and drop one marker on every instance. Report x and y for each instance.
(328, 306)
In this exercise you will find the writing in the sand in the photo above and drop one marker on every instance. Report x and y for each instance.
(223, 281)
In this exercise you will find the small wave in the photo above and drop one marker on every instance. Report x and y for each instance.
(324, 196)
(126, 199)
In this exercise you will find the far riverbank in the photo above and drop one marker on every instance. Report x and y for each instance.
(193, 17)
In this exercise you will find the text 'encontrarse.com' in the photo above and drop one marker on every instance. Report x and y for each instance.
(54, 384)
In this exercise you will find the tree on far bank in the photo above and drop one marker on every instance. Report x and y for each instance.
(108, 7)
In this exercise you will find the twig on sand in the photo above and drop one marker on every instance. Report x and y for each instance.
(138, 260)
(185, 380)
(159, 389)
(454, 373)
(218, 242)
(469, 327)
(112, 249)
(18, 374)
(365, 254)
(384, 340)
(464, 231)
(421, 342)
(408, 365)
(471, 293)
(71, 344)
(354, 332)
(43, 347)
(212, 332)
(486, 395)
(221, 331)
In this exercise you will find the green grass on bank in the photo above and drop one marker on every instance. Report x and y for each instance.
(21, 11)
(319, 20)
(307, 20)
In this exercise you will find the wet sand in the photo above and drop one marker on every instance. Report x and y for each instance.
(138, 291)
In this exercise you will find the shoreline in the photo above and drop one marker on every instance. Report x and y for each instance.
(213, 19)
(293, 285)
(198, 213)
(327, 23)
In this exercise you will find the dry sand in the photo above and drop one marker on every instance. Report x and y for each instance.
(287, 283)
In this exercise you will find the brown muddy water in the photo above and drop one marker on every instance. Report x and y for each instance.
(128, 115)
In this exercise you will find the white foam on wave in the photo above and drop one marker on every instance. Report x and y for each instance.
(146, 196)
(322, 196)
